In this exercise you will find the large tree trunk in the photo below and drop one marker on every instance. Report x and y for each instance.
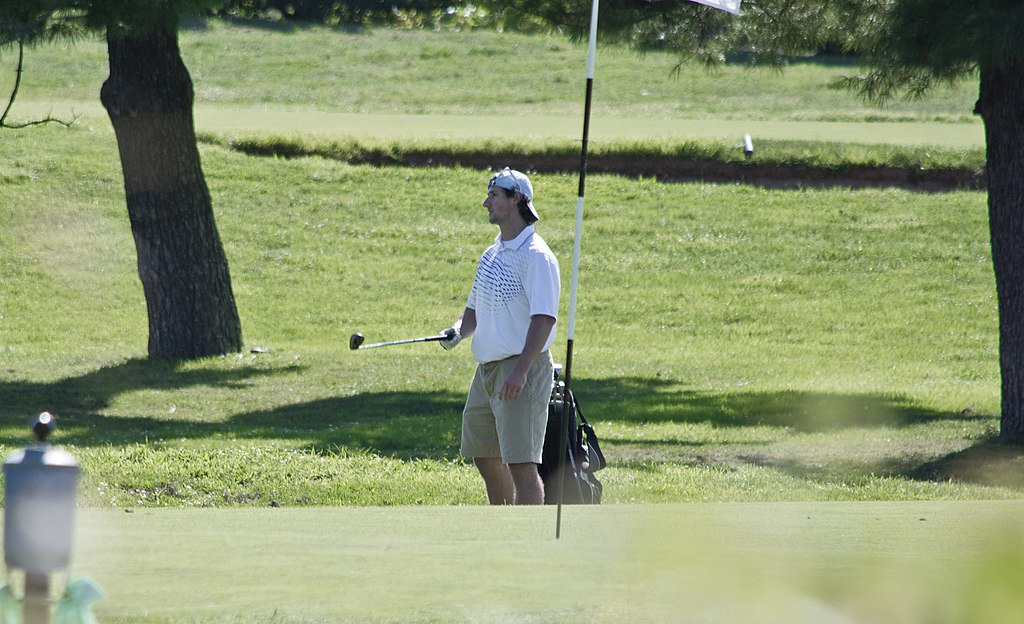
(999, 104)
(181, 262)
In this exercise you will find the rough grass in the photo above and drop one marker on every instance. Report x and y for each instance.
(733, 343)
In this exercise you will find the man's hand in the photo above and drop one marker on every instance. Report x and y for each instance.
(513, 386)
(454, 338)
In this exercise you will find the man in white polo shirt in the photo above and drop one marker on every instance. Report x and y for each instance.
(510, 314)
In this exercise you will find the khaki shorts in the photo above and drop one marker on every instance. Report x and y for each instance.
(512, 430)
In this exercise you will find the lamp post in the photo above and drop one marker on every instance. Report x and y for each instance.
(40, 486)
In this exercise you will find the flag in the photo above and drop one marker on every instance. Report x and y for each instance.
(730, 6)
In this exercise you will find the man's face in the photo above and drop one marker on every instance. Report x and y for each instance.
(500, 207)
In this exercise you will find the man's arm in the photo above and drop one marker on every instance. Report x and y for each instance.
(467, 323)
(536, 336)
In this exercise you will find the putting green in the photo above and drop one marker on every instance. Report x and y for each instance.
(235, 120)
(774, 562)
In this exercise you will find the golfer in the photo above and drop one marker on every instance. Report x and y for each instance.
(510, 314)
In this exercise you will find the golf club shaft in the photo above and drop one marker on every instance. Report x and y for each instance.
(405, 341)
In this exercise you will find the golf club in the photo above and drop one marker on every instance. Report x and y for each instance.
(355, 341)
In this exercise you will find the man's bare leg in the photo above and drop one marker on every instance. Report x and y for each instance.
(529, 488)
(501, 490)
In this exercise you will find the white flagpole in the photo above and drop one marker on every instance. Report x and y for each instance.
(731, 6)
(571, 331)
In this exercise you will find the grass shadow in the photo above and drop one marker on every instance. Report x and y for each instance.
(402, 425)
(271, 24)
(638, 400)
(828, 437)
(76, 401)
(990, 462)
(426, 425)
(822, 59)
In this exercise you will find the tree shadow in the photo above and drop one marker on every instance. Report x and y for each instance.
(404, 425)
(653, 400)
(201, 24)
(426, 425)
(280, 25)
(823, 59)
(401, 425)
(76, 401)
(990, 462)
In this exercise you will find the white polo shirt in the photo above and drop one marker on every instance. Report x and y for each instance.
(514, 281)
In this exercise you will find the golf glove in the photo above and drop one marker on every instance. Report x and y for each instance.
(455, 338)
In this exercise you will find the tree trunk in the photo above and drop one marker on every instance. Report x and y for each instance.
(999, 104)
(181, 262)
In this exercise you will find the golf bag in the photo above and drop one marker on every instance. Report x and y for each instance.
(583, 455)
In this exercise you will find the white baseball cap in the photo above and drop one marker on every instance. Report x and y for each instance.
(513, 180)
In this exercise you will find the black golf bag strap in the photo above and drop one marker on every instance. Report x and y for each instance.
(576, 470)
(591, 440)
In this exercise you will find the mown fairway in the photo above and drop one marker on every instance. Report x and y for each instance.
(820, 563)
(255, 79)
(765, 352)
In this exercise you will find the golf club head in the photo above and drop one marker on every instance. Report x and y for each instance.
(355, 340)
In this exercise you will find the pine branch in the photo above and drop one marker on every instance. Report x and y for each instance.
(14, 95)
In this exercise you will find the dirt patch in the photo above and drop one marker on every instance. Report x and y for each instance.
(688, 170)
(665, 168)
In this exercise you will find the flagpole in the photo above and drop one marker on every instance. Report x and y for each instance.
(730, 6)
(571, 330)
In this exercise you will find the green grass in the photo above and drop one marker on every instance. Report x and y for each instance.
(256, 83)
(249, 65)
(817, 368)
(733, 343)
(788, 162)
(941, 562)
(562, 127)
(252, 78)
